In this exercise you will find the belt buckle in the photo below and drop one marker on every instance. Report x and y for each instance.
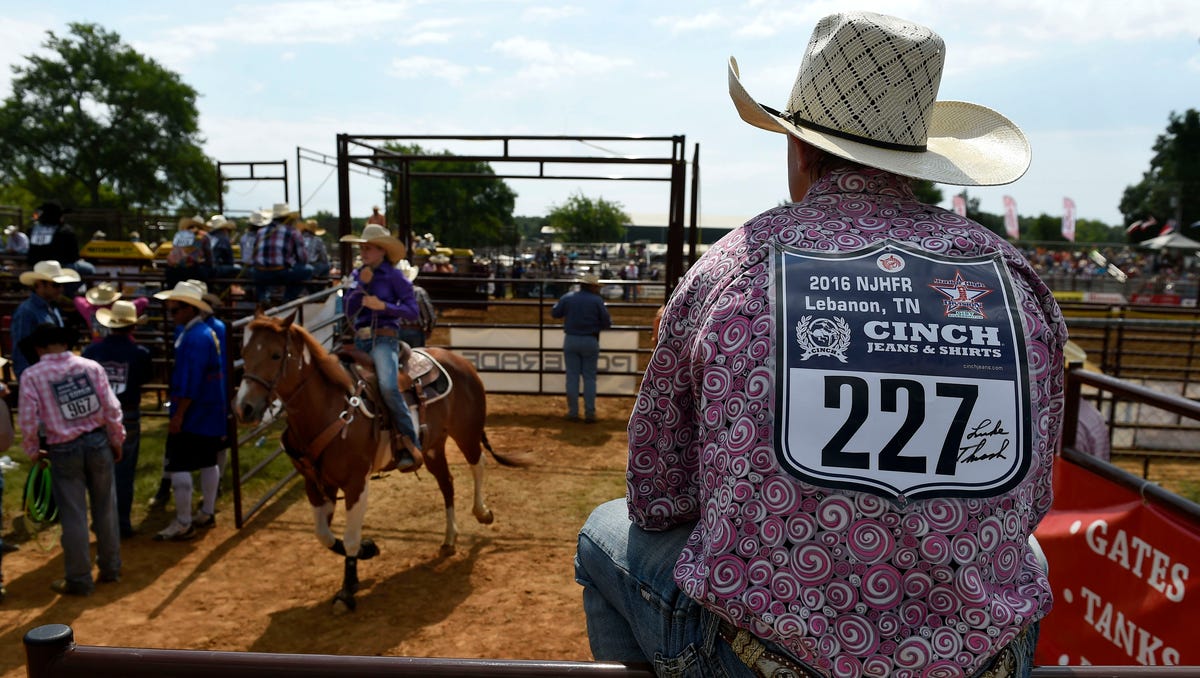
(362, 333)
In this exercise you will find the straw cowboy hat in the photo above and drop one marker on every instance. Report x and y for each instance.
(439, 259)
(49, 270)
(381, 237)
(260, 217)
(122, 314)
(187, 293)
(102, 294)
(408, 270)
(10, 229)
(212, 299)
(186, 223)
(281, 210)
(589, 279)
(218, 222)
(312, 226)
(867, 91)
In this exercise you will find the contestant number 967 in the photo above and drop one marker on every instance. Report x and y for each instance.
(829, 283)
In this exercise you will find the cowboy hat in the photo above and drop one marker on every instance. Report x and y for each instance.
(99, 235)
(260, 217)
(102, 294)
(408, 270)
(10, 229)
(51, 271)
(439, 259)
(212, 299)
(218, 222)
(590, 279)
(281, 210)
(867, 90)
(187, 293)
(122, 314)
(381, 237)
(312, 226)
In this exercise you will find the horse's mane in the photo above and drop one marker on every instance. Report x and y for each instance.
(325, 361)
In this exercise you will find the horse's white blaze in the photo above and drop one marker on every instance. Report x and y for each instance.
(321, 516)
(451, 528)
(352, 535)
(479, 507)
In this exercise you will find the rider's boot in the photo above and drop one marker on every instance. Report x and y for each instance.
(406, 455)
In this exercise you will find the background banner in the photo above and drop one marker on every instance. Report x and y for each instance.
(514, 359)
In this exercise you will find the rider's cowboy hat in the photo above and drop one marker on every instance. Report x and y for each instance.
(867, 91)
(218, 222)
(102, 294)
(312, 226)
(281, 210)
(122, 314)
(187, 293)
(51, 271)
(379, 236)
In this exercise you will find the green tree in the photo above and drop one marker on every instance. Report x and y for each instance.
(472, 208)
(581, 219)
(1170, 189)
(927, 191)
(95, 123)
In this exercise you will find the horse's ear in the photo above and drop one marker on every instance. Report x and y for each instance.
(287, 322)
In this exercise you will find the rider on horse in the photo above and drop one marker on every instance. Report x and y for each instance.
(379, 298)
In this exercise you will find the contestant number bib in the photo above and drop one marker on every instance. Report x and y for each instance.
(900, 372)
(76, 397)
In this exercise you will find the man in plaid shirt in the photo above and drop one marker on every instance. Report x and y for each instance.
(70, 398)
(279, 255)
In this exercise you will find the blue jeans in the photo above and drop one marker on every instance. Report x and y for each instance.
(125, 471)
(581, 354)
(291, 278)
(636, 612)
(384, 352)
(81, 468)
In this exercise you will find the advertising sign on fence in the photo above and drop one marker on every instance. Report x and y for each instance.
(1120, 570)
(513, 359)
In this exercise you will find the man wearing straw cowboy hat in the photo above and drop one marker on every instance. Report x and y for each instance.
(378, 299)
(103, 295)
(223, 263)
(67, 399)
(47, 279)
(314, 247)
(196, 431)
(885, 480)
(585, 316)
(127, 364)
(279, 256)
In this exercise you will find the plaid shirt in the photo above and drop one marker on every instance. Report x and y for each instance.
(68, 396)
(278, 244)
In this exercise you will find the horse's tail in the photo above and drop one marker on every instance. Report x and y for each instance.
(500, 459)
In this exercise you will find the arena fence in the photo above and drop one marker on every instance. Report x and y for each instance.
(51, 652)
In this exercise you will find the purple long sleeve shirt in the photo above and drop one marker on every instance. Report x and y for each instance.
(392, 288)
(851, 581)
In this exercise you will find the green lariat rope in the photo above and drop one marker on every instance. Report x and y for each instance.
(39, 498)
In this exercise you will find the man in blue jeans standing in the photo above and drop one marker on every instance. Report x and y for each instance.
(585, 316)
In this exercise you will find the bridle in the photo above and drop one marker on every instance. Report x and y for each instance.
(271, 385)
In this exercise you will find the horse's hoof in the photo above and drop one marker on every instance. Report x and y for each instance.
(367, 549)
(446, 551)
(344, 602)
(486, 518)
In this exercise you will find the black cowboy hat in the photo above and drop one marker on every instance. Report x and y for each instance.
(50, 212)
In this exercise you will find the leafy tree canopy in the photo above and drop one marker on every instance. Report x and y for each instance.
(96, 124)
(581, 219)
(1170, 188)
(460, 211)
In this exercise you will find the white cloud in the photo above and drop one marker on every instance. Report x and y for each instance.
(545, 63)
(425, 38)
(18, 39)
(427, 67)
(685, 24)
(549, 14)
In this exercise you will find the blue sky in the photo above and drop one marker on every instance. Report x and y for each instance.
(1091, 83)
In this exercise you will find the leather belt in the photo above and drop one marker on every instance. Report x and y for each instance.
(368, 333)
(758, 658)
(270, 268)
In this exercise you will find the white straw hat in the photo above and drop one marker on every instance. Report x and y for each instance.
(281, 210)
(380, 236)
(187, 293)
(121, 314)
(867, 91)
(102, 294)
(49, 270)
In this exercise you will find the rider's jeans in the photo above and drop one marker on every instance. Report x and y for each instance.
(385, 354)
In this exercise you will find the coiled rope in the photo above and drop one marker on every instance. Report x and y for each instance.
(39, 497)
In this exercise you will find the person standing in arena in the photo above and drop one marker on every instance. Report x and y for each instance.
(817, 482)
(584, 317)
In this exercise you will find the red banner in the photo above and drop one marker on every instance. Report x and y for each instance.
(1119, 569)
(960, 205)
(1011, 225)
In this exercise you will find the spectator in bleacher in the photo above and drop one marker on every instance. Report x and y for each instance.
(101, 296)
(279, 256)
(81, 426)
(258, 219)
(314, 247)
(377, 217)
(127, 364)
(51, 238)
(15, 241)
(6, 425)
(191, 254)
(223, 263)
(47, 279)
(198, 412)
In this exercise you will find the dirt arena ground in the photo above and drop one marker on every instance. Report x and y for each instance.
(508, 592)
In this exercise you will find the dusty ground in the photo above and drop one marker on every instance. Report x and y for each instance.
(508, 591)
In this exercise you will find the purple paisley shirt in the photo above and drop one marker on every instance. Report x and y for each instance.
(852, 584)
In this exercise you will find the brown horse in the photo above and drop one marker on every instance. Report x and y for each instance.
(334, 441)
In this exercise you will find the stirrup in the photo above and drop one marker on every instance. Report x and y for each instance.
(400, 444)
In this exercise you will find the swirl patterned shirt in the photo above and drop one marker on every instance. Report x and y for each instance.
(850, 583)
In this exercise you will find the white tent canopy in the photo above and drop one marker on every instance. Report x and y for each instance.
(1171, 241)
